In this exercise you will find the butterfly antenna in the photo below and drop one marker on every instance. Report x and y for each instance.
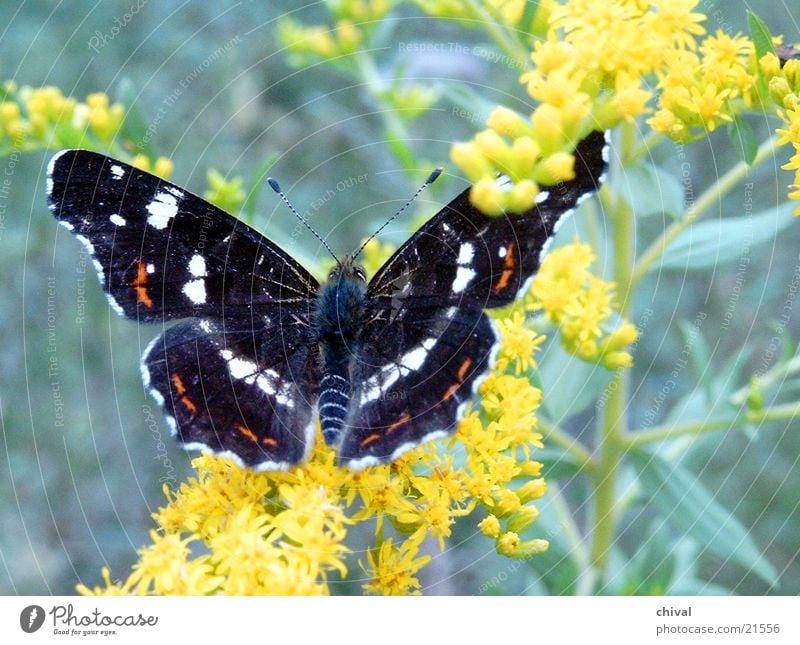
(432, 178)
(276, 187)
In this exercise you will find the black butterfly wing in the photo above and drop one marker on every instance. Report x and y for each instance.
(239, 379)
(427, 344)
(407, 393)
(462, 257)
(163, 253)
(243, 389)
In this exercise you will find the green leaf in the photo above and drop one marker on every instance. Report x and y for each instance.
(715, 242)
(570, 385)
(761, 35)
(743, 139)
(762, 40)
(650, 190)
(691, 509)
(134, 127)
(557, 462)
(700, 353)
(651, 570)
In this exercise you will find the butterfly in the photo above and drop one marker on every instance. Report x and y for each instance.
(261, 349)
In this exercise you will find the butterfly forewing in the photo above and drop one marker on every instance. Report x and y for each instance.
(426, 343)
(164, 253)
(239, 379)
(462, 257)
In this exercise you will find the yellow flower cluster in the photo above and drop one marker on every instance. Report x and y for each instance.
(43, 118)
(581, 305)
(228, 194)
(588, 75)
(351, 19)
(509, 12)
(234, 531)
(705, 87)
(784, 88)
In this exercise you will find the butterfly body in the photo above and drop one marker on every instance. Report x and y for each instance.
(253, 350)
(338, 322)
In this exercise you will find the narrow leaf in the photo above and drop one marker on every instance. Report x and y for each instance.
(692, 510)
(715, 242)
(762, 40)
(743, 139)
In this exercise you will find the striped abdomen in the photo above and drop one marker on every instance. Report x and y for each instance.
(334, 396)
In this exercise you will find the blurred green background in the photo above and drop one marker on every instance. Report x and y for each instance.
(78, 494)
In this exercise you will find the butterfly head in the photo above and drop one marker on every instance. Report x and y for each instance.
(348, 269)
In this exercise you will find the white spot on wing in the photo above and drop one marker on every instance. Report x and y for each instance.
(197, 266)
(463, 278)
(195, 290)
(117, 220)
(117, 172)
(67, 225)
(162, 209)
(541, 196)
(150, 268)
(466, 253)
(502, 252)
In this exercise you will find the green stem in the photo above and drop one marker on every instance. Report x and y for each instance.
(787, 411)
(502, 37)
(777, 374)
(662, 433)
(647, 144)
(709, 198)
(553, 434)
(613, 427)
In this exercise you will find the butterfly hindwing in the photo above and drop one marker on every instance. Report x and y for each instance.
(404, 398)
(237, 391)
(164, 253)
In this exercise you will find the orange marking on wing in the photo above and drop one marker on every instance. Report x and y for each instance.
(509, 264)
(462, 371)
(247, 432)
(510, 261)
(370, 439)
(402, 420)
(502, 283)
(178, 383)
(140, 282)
(450, 391)
(269, 441)
(189, 405)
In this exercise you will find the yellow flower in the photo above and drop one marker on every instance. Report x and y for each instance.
(228, 194)
(490, 526)
(523, 519)
(162, 166)
(581, 305)
(518, 345)
(393, 570)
